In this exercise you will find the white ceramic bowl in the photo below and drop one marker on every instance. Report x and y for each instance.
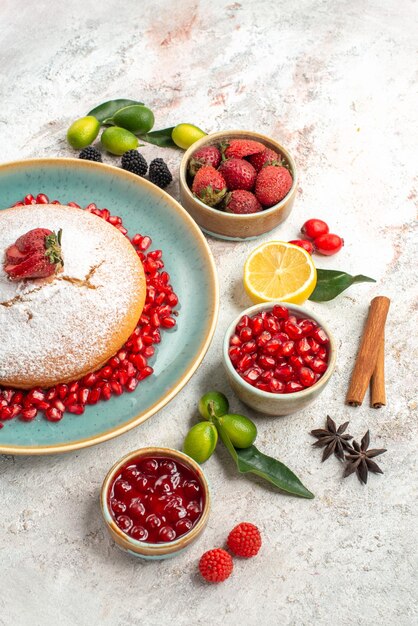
(275, 403)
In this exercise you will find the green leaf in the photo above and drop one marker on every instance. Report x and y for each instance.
(105, 111)
(160, 138)
(252, 460)
(331, 283)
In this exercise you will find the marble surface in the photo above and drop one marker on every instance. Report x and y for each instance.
(334, 81)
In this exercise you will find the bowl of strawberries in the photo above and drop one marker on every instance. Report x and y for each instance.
(237, 184)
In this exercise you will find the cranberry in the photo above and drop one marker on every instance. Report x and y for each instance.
(153, 521)
(163, 484)
(167, 534)
(302, 243)
(193, 510)
(174, 513)
(328, 244)
(139, 533)
(117, 507)
(150, 466)
(167, 467)
(183, 526)
(137, 509)
(314, 228)
(191, 489)
(122, 487)
(124, 522)
(144, 483)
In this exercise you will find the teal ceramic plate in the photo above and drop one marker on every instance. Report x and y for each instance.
(148, 210)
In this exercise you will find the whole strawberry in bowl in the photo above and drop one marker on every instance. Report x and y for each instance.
(238, 184)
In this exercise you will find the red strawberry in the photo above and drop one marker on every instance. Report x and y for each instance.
(240, 148)
(37, 254)
(32, 240)
(272, 185)
(267, 157)
(209, 185)
(239, 174)
(208, 155)
(13, 254)
(242, 202)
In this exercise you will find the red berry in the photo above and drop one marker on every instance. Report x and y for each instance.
(242, 202)
(244, 540)
(208, 155)
(238, 174)
(209, 185)
(216, 565)
(302, 243)
(314, 228)
(267, 157)
(240, 148)
(272, 185)
(328, 244)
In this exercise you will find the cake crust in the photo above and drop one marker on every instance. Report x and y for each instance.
(61, 328)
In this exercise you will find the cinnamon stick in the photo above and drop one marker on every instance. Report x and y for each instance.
(377, 383)
(369, 347)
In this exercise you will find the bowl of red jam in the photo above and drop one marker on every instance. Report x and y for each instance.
(278, 357)
(155, 502)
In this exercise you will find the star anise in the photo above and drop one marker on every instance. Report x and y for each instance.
(360, 459)
(333, 439)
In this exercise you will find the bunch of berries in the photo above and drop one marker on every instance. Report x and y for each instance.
(318, 238)
(244, 541)
(241, 177)
(133, 161)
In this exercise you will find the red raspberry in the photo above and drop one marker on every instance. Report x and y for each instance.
(244, 540)
(216, 565)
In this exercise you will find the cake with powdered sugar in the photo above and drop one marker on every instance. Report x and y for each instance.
(72, 289)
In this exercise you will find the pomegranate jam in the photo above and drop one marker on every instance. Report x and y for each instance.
(156, 499)
(279, 352)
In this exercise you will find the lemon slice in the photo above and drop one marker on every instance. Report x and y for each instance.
(278, 271)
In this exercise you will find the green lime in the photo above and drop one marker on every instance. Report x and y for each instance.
(201, 441)
(184, 135)
(83, 132)
(136, 118)
(213, 403)
(241, 430)
(118, 140)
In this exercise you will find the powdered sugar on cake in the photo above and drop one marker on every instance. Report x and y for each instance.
(62, 324)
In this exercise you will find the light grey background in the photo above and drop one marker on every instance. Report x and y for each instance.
(335, 82)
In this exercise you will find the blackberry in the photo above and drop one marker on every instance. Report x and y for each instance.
(159, 174)
(90, 154)
(134, 162)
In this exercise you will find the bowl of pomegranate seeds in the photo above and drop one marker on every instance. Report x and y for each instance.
(155, 502)
(278, 357)
(237, 184)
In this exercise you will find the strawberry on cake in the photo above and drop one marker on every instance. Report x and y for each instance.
(72, 289)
